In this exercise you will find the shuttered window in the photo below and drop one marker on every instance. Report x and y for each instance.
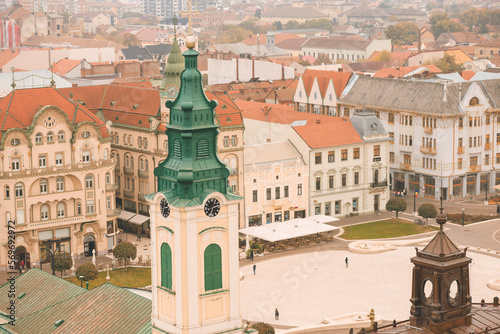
(166, 266)
(202, 149)
(213, 267)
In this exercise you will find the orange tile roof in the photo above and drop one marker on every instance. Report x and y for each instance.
(467, 75)
(226, 112)
(7, 55)
(19, 107)
(320, 135)
(339, 79)
(398, 72)
(119, 104)
(63, 66)
(279, 113)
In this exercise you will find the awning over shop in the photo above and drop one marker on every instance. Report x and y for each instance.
(126, 215)
(139, 219)
(294, 228)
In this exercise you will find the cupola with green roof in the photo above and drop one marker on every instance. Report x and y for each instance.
(173, 69)
(192, 169)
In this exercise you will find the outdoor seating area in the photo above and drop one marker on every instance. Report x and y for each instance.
(294, 233)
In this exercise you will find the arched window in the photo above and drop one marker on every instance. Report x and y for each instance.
(38, 138)
(117, 156)
(43, 186)
(127, 161)
(474, 101)
(19, 190)
(213, 267)
(141, 163)
(166, 266)
(89, 181)
(50, 137)
(44, 212)
(7, 192)
(146, 165)
(60, 183)
(60, 135)
(61, 212)
(108, 178)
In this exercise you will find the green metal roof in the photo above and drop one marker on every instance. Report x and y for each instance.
(105, 309)
(41, 288)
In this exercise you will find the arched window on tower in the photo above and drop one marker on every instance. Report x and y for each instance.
(213, 267)
(166, 266)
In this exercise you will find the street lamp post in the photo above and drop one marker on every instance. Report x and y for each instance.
(81, 281)
(52, 253)
(463, 216)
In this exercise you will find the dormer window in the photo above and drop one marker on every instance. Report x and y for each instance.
(474, 101)
(15, 142)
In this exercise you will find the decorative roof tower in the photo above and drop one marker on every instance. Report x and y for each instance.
(174, 67)
(192, 168)
(440, 288)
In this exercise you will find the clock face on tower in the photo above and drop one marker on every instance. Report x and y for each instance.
(172, 90)
(164, 208)
(212, 207)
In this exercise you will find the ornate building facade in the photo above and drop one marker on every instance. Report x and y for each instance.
(57, 177)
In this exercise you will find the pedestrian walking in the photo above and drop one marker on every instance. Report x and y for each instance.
(139, 235)
(22, 264)
(498, 209)
(405, 192)
(254, 267)
(346, 262)
(251, 254)
(276, 315)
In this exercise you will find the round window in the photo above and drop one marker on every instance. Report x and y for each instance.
(454, 293)
(15, 142)
(86, 134)
(427, 292)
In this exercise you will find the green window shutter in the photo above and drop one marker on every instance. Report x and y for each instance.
(166, 266)
(177, 152)
(202, 150)
(213, 267)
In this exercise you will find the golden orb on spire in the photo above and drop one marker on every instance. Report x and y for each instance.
(190, 41)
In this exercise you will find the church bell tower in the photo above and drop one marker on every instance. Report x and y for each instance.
(194, 221)
(440, 289)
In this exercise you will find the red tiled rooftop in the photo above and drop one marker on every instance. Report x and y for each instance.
(398, 72)
(63, 66)
(339, 79)
(321, 135)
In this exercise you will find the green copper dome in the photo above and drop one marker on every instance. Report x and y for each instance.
(192, 169)
(174, 67)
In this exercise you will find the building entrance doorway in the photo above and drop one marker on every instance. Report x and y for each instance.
(376, 203)
(89, 245)
(22, 255)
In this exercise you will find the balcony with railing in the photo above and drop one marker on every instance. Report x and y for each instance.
(128, 170)
(428, 150)
(405, 166)
(474, 169)
(428, 129)
(461, 150)
(487, 146)
(378, 184)
(128, 194)
(63, 169)
(143, 173)
(57, 222)
(111, 187)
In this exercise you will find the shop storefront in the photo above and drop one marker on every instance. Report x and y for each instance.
(51, 240)
(255, 220)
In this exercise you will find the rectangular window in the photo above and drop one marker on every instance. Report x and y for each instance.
(355, 153)
(318, 183)
(234, 140)
(145, 143)
(344, 180)
(391, 157)
(473, 161)
(108, 203)
(487, 159)
(42, 161)
(410, 141)
(268, 194)
(391, 118)
(337, 207)
(285, 192)
(356, 177)
(225, 141)
(299, 189)
(317, 158)
(376, 150)
(16, 164)
(254, 196)
(59, 159)
(328, 208)
(470, 141)
(90, 207)
(498, 138)
(498, 158)
(460, 122)
(331, 156)
(330, 181)
(488, 120)
(355, 205)
(277, 193)
(460, 142)
(139, 142)
(391, 136)
(86, 156)
(343, 155)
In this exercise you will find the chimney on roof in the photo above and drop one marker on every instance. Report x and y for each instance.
(268, 140)
(340, 69)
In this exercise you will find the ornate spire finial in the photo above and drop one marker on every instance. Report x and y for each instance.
(190, 40)
(174, 21)
(441, 217)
